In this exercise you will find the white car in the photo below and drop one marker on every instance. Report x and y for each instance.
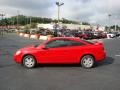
(110, 35)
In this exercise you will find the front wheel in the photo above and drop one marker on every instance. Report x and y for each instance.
(29, 61)
(87, 61)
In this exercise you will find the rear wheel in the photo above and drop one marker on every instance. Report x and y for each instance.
(29, 61)
(87, 61)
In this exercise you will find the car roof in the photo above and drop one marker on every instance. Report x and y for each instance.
(70, 38)
(67, 38)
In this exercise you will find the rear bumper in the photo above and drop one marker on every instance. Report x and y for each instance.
(101, 57)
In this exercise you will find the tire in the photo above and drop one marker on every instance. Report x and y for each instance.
(87, 61)
(29, 61)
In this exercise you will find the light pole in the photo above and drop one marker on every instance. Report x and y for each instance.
(56, 26)
(18, 19)
(2, 15)
(115, 27)
(109, 16)
(115, 24)
(59, 4)
(30, 20)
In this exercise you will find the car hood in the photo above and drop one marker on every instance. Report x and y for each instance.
(28, 47)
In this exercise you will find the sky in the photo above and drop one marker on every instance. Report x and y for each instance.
(92, 11)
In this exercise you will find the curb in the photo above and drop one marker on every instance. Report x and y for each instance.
(27, 35)
(21, 34)
(43, 37)
(36, 36)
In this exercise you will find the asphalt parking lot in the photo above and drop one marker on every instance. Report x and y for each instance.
(106, 76)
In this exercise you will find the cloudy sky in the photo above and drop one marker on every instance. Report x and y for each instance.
(92, 11)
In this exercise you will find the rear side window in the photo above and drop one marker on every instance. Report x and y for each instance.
(74, 43)
(89, 42)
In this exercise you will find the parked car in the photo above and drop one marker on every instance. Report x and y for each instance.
(81, 35)
(110, 35)
(62, 50)
(117, 34)
(99, 35)
(68, 34)
(88, 35)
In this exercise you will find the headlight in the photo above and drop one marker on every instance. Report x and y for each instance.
(18, 52)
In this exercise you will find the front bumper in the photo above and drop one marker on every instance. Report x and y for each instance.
(18, 58)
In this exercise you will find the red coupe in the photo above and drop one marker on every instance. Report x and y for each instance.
(62, 50)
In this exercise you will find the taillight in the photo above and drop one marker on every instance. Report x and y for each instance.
(103, 48)
(98, 43)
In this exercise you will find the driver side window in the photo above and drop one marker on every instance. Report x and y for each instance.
(56, 43)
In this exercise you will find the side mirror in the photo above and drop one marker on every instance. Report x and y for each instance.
(43, 47)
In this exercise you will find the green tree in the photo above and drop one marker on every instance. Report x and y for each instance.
(33, 25)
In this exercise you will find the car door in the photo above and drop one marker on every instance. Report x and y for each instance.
(55, 52)
(59, 51)
(75, 51)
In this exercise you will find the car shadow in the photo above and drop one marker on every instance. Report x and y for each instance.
(59, 65)
(107, 61)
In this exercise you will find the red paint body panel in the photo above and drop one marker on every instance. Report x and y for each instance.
(62, 55)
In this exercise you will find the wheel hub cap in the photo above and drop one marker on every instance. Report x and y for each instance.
(88, 62)
(29, 62)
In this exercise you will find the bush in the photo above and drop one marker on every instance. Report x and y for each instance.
(49, 33)
(32, 32)
(21, 31)
(27, 31)
(35, 32)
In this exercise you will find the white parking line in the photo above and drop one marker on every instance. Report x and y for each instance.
(117, 55)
